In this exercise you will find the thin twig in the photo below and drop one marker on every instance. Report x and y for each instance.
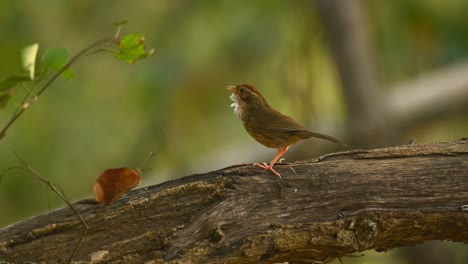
(117, 32)
(73, 59)
(25, 98)
(150, 155)
(28, 104)
(60, 193)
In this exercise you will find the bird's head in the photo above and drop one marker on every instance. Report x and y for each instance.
(246, 98)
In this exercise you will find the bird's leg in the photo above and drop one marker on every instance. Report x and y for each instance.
(273, 161)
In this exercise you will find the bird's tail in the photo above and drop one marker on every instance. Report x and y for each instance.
(322, 136)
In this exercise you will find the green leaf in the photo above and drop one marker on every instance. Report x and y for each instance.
(68, 74)
(55, 59)
(132, 48)
(7, 87)
(12, 81)
(28, 59)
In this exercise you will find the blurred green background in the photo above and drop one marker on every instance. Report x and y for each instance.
(174, 103)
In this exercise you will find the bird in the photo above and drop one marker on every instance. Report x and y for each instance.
(268, 126)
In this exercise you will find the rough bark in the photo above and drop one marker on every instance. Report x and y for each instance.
(319, 210)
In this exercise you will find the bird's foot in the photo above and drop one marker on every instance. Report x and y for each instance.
(265, 166)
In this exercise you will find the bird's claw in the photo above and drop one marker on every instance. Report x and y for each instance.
(265, 166)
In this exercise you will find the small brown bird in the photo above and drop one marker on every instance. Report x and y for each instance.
(266, 125)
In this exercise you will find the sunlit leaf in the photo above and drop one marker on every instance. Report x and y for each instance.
(132, 48)
(113, 183)
(28, 59)
(131, 41)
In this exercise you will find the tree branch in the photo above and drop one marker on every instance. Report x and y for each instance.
(346, 28)
(378, 116)
(429, 95)
(321, 209)
(47, 84)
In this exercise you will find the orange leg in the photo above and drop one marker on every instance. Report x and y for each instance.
(270, 167)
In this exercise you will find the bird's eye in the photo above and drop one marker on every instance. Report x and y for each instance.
(242, 90)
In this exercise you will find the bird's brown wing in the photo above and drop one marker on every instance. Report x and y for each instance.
(279, 122)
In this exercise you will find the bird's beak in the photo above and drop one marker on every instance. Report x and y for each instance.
(231, 88)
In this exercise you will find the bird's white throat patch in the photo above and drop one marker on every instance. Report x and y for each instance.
(235, 105)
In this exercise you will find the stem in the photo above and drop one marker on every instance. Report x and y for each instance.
(150, 155)
(28, 104)
(31, 171)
